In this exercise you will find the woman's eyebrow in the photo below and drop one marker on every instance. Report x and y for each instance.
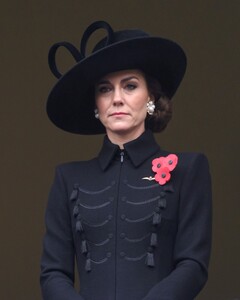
(129, 78)
(106, 81)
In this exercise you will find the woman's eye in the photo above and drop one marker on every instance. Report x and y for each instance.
(103, 89)
(131, 86)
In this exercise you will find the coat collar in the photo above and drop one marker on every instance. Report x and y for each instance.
(137, 150)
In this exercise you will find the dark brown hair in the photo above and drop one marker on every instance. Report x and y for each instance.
(158, 121)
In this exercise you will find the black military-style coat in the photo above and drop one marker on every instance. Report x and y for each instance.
(133, 238)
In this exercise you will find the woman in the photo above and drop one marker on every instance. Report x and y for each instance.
(136, 218)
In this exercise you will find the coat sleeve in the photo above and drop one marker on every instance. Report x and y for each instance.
(193, 239)
(57, 263)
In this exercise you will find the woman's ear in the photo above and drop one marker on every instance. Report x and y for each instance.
(151, 98)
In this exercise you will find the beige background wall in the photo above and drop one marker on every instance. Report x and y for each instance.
(206, 119)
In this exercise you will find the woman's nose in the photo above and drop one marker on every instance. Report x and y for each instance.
(117, 97)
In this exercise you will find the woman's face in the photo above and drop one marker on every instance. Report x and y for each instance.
(121, 100)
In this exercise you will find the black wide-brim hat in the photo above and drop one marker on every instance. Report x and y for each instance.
(71, 102)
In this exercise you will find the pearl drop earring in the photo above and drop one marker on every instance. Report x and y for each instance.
(96, 113)
(150, 107)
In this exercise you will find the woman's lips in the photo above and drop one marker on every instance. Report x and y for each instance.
(118, 114)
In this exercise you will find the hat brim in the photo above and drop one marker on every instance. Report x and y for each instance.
(71, 102)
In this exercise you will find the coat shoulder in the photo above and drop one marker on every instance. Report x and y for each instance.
(191, 157)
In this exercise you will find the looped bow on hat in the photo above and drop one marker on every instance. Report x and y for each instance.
(78, 56)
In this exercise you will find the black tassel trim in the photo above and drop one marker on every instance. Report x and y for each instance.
(150, 258)
(156, 218)
(84, 247)
(88, 264)
(162, 203)
(75, 210)
(153, 241)
(79, 227)
(74, 194)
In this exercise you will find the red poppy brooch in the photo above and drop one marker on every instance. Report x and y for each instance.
(162, 166)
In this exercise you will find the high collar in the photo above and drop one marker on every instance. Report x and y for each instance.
(137, 150)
